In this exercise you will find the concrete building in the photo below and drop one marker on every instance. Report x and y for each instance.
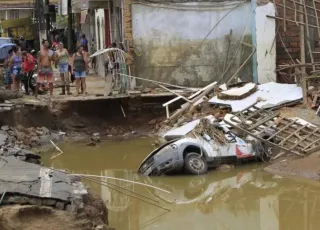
(102, 24)
(16, 9)
(190, 43)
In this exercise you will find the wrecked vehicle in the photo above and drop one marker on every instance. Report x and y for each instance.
(195, 155)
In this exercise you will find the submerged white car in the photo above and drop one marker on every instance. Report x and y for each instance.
(195, 155)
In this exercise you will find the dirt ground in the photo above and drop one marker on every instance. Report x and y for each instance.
(33, 217)
(307, 167)
(30, 217)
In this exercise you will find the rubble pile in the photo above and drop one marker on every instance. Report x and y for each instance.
(249, 109)
(18, 141)
(205, 127)
(198, 112)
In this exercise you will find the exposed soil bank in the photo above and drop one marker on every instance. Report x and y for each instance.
(34, 217)
(308, 167)
(111, 118)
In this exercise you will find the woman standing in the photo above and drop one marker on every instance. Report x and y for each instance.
(15, 64)
(79, 67)
(7, 71)
(28, 67)
(62, 60)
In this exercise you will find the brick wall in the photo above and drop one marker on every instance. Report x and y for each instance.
(291, 38)
(287, 41)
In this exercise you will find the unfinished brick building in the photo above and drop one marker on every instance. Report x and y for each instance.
(290, 23)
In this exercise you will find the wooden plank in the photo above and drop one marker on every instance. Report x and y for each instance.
(308, 34)
(317, 18)
(304, 138)
(301, 23)
(279, 131)
(284, 16)
(312, 143)
(264, 120)
(261, 139)
(313, 149)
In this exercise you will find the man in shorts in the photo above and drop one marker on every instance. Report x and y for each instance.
(46, 57)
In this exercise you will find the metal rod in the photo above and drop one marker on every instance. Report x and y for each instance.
(243, 64)
(3, 194)
(118, 186)
(298, 65)
(114, 178)
(101, 183)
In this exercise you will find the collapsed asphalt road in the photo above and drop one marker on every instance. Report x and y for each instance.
(27, 187)
(27, 183)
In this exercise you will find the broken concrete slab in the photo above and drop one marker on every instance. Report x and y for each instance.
(237, 93)
(269, 95)
(3, 139)
(20, 178)
(5, 128)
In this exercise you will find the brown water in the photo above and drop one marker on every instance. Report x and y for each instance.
(245, 198)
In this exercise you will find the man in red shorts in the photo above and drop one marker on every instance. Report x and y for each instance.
(45, 60)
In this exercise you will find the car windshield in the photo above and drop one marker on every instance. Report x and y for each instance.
(5, 41)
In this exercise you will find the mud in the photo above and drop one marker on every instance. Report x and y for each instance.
(80, 119)
(32, 217)
(307, 167)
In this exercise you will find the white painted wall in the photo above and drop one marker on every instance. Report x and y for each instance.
(266, 47)
(168, 34)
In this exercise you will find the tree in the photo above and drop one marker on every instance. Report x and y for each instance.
(62, 21)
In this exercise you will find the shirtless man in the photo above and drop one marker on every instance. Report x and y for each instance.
(46, 57)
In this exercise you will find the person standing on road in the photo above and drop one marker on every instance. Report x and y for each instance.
(7, 71)
(27, 68)
(62, 60)
(84, 42)
(15, 64)
(46, 57)
(79, 67)
(23, 43)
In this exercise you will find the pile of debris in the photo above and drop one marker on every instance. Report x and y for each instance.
(208, 128)
(18, 141)
(248, 109)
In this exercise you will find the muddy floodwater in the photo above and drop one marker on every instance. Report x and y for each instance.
(244, 198)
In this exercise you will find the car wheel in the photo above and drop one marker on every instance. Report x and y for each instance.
(195, 164)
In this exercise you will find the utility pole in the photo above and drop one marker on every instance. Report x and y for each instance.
(70, 34)
(47, 18)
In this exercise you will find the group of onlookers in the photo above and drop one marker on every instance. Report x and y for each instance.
(20, 66)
